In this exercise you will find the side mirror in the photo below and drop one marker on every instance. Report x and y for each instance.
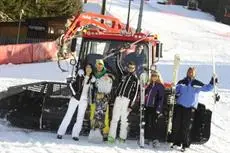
(159, 48)
(73, 45)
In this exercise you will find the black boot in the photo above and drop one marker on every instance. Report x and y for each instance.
(75, 138)
(105, 139)
(59, 136)
(175, 145)
(183, 149)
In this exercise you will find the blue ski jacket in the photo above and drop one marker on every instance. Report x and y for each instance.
(187, 92)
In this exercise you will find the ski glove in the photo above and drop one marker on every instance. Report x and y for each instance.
(211, 81)
(81, 72)
(158, 114)
(217, 96)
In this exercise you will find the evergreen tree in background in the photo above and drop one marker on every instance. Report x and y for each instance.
(39, 8)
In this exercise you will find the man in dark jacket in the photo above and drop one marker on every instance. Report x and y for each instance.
(187, 92)
(125, 98)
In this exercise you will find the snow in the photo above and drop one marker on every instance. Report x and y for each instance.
(192, 34)
(180, 33)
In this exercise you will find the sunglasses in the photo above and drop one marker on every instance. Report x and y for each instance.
(131, 68)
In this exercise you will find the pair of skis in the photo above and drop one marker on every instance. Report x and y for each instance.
(176, 65)
(142, 111)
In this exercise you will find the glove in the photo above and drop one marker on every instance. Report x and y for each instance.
(211, 81)
(80, 72)
(158, 115)
(217, 96)
(93, 80)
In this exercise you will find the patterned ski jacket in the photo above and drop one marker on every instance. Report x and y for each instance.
(187, 92)
(128, 86)
(154, 96)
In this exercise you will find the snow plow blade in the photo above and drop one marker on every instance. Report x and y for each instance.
(42, 106)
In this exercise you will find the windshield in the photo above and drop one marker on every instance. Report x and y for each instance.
(138, 53)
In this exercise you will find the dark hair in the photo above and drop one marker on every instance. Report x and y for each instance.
(132, 63)
(91, 75)
(139, 45)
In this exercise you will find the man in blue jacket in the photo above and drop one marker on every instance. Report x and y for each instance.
(187, 92)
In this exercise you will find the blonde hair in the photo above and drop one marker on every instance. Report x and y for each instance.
(159, 77)
(193, 69)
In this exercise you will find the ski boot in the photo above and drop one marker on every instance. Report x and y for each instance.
(183, 149)
(59, 136)
(174, 145)
(111, 140)
(121, 140)
(105, 138)
(75, 138)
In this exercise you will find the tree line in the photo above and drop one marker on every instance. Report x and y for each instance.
(39, 8)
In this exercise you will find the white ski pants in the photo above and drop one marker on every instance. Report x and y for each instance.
(120, 111)
(73, 104)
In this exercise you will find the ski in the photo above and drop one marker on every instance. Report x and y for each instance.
(142, 111)
(172, 100)
(176, 68)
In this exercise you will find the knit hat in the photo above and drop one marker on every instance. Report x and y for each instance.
(99, 61)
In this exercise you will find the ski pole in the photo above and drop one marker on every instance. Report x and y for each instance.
(126, 47)
(215, 94)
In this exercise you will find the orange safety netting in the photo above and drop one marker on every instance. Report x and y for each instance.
(27, 53)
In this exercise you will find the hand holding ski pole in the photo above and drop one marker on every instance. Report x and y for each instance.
(214, 79)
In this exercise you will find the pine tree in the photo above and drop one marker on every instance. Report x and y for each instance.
(40, 8)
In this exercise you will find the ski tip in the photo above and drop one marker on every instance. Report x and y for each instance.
(177, 56)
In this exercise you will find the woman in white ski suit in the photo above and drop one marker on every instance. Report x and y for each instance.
(81, 89)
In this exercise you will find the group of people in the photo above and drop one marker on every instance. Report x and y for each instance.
(93, 87)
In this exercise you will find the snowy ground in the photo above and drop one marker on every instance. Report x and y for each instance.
(192, 34)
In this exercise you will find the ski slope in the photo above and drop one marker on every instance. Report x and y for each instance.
(192, 34)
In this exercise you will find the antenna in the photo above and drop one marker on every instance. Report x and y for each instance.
(103, 7)
(140, 16)
(127, 25)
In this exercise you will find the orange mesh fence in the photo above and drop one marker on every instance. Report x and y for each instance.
(27, 53)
